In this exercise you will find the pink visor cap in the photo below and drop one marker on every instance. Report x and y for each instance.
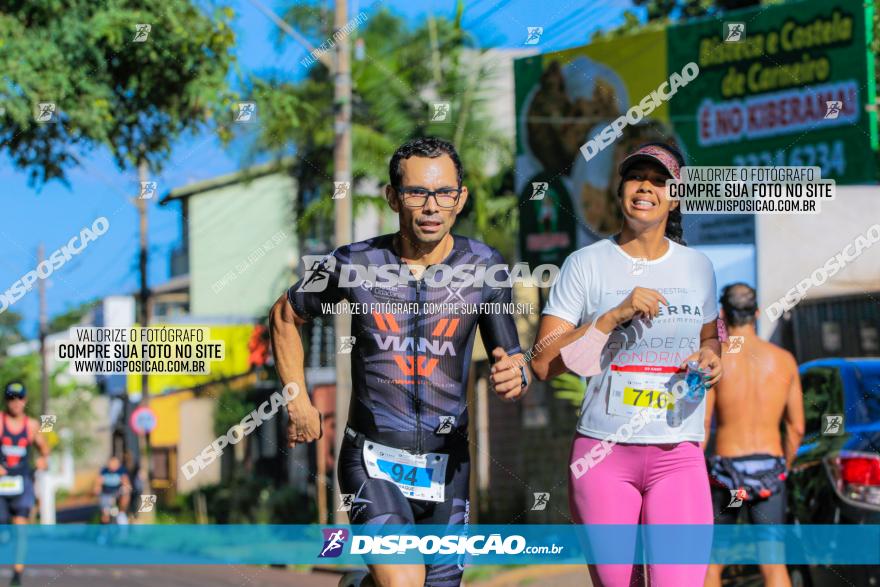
(656, 154)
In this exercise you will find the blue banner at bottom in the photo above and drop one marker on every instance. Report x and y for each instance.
(473, 545)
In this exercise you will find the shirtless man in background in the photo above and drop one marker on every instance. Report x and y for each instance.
(760, 388)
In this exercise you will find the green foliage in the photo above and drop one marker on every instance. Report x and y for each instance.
(70, 401)
(662, 13)
(134, 98)
(569, 387)
(249, 500)
(10, 329)
(71, 317)
(231, 407)
(664, 9)
(404, 69)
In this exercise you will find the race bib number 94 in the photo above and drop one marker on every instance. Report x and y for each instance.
(421, 477)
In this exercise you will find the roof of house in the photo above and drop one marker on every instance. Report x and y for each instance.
(175, 284)
(214, 183)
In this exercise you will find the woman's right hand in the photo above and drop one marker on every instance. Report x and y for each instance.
(640, 300)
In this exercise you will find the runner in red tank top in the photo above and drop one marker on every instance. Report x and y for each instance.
(18, 433)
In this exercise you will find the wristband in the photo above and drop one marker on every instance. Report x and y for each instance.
(722, 330)
(583, 355)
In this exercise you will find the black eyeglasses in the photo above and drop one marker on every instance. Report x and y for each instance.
(416, 197)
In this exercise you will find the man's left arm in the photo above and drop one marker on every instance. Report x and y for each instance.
(510, 375)
(794, 415)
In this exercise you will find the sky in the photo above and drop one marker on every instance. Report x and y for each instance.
(53, 213)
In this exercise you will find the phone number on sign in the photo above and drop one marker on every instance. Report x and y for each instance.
(831, 158)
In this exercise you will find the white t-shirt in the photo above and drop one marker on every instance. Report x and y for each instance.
(640, 360)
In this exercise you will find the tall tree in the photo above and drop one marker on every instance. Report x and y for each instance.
(665, 9)
(71, 316)
(128, 75)
(10, 329)
(398, 72)
(661, 13)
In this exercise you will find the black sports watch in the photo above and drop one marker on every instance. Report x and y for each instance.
(524, 377)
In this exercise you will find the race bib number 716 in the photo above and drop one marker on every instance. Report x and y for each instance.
(635, 388)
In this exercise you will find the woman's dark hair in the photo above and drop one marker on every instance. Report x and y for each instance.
(431, 147)
(674, 229)
(740, 304)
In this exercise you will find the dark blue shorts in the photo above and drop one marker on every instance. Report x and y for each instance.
(381, 502)
(18, 506)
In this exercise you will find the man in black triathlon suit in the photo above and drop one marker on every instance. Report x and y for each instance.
(411, 355)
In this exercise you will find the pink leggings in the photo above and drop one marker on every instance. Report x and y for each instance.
(641, 484)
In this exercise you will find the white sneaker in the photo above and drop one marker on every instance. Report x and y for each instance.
(122, 519)
(352, 579)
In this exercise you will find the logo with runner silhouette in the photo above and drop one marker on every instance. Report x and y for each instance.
(734, 31)
(832, 424)
(832, 109)
(340, 189)
(638, 265)
(334, 540)
(345, 501)
(534, 35)
(541, 501)
(737, 496)
(148, 502)
(346, 344)
(45, 112)
(440, 111)
(447, 423)
(141, 33)
(47, 422)
(317, 269)
(148, 190)
(245, 112)
(736, 343)
(539, 190)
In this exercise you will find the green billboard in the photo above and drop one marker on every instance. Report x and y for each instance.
(794, 86)
(792, 91)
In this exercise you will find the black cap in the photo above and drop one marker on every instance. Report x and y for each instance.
(15, 390)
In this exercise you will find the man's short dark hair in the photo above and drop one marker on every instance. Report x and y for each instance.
(431, 147)
(740, 304)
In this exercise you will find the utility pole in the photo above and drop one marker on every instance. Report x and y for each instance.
(343, 228)
(340, 68)
(44, 327)
(144, 470)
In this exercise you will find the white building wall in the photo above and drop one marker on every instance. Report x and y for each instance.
(791, 247)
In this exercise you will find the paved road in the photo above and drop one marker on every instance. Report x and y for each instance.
(248, 576)
(176, 576)
(540, 576)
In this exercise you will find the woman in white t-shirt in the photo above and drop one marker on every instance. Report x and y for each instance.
(630, 311)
